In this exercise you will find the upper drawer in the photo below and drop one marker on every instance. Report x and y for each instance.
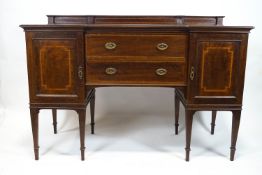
(136, 45)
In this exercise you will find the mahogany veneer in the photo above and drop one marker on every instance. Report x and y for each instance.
(72, 55)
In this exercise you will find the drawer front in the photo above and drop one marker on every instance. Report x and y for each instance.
(136, 73)
(107, 45)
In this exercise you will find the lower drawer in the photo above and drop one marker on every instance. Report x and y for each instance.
(136, 73)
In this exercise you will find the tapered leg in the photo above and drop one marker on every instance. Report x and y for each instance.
(177, 105)
(34, 122)
(213, 122)
(82, 121)
(92, 113)
(189, 121)
(235, 127)
(54, 120)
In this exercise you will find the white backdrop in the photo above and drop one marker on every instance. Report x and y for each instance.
(134, 130)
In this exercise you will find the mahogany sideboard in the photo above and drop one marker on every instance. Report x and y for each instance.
(203, 60)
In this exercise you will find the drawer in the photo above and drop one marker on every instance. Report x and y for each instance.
(135, 73)
(107, 45)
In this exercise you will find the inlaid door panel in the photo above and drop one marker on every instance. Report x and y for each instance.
(215, 71)
(54, 67)
(218, 67)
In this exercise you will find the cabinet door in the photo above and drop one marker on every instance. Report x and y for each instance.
(216, 68)
(55, 67)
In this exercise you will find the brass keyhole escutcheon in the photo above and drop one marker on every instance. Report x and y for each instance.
(161, 71)
(192, 73)
(110, 45)
(80, 72)
(162, 46)
(111, 70)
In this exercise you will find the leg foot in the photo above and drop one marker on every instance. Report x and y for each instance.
(187, 153)
(54, 120)
(177, 103)
(34, 122)
(36, 151)
(234, 134)
(189, 121)
(213, 122)
(82, 154)
(82, 120)
(232, 153)
(92, 113)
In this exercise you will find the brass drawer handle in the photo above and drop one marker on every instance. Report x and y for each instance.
(192, 73)
(111, 70)
(110, 45)
(161, 71)
(162, 46)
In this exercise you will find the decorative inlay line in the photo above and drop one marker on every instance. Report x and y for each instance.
(229, 50)
(42, 53)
